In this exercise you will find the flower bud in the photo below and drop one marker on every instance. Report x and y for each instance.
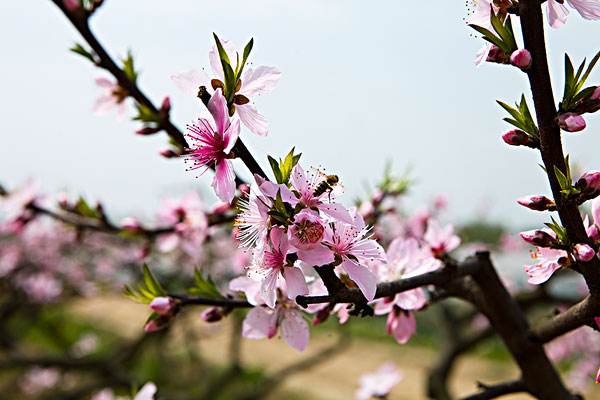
(168, 153)
(497, 55)
(537, 203)
(590, 180)
(596, 94)
(166, 105)
(597, 319)
(72, 5)
(517, 137)
(321, 316)
(571, 122)
(212, 314)
(162, 305)
(521, 58)
(593, 232)
(154, 325)
(147, 130)
(583, 252)
(538, 238)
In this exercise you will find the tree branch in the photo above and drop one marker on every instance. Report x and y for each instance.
(493, 391)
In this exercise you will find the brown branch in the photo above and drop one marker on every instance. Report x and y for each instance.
(493, 391)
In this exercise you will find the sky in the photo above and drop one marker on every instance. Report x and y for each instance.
(363, 82)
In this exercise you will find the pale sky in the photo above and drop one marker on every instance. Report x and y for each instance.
(362, 82)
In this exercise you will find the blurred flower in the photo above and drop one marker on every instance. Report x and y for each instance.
(113, 96)
(379, 383)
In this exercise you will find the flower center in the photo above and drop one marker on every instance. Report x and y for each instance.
(309, 232)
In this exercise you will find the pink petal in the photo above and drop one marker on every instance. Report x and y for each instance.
(147, 392)
(411, 299)
(231, 135)
(596, 210)
(217, 105)
(365, 279)
(316, 256)
(337, 212)
(105, 83)
(249, 287)
(402, 326)
(224, 181)
(294, 329)
(589, 9)
(268, 288)
(260, 323)
(190, 81)
(104, 104)
(252, 119)
(295, 282)
(557, 13)
(260, 80)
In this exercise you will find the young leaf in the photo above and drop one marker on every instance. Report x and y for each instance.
(275, 167)
(79, 49)
(129, 69)
(146, 291)
(204, 287)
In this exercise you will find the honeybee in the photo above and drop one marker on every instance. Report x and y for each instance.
(327, 185)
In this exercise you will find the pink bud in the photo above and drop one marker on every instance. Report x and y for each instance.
(571, 122)
(583, 252)
(593, 232)
(166, 104)
(590, 180)
(130, 224)
(537, 203)
(496, 55)
(538, 238)
(168, 153)
(598, 376)
(596, 94)
(597, 319)
(152, 326)
(147, 130)
(521, 58)
(212, 314)
(72, 4)
(162, 305)
(517, 137)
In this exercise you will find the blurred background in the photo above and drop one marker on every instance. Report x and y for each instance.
(363, 83)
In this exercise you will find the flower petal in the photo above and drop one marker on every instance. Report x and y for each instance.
(252, 119)
(217, 105)
(260, 80)
(365, 279)
(294, 329)
(295, 282)
(190, 81)
(224, 181)
(260, 323)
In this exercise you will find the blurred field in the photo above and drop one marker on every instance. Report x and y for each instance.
(335, 379)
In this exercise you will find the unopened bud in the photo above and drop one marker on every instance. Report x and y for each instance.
(72, 5)
(517, 137)
(147, 130)
(321, 316)
(212, 314)
(593, 232)
(571, 122)
(166, 104)
(590, 180)
(497, 55)
(583, 252)
(156, 324)
(596, 94)
(521, 58)
(538, 238)
(168, 153)
(162, 305)
(537, 203)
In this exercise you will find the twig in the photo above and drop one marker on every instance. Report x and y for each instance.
(493, 391)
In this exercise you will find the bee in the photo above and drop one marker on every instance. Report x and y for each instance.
(326, 185)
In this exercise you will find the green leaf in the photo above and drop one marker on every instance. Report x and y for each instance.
(129, 68)
(230, 76)
(245, 55)
(275, 167)
(84, 209)
(146, 291)
(204, 287)
(489, 36)
(563, 180)
(79, 49)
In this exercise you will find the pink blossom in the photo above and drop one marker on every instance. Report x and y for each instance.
(305, 184)
(39, 379)
(546, 262)
(481, 16)
(213, 146)
(589, 9)
(249, 287)
(516, 137)
(10, 255)
(583, 252)
(353, 244)
(189, 222)
(378, 384)
(254, 82)
(153, 325)
(113, 96)
(521, 58)
(306, 235)
(131, 224)
(571, 122)
(270, 264)
(263, 322)
(401, 325)
(41, 287)
(406, 259)
(441, 240)
(104, 394)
